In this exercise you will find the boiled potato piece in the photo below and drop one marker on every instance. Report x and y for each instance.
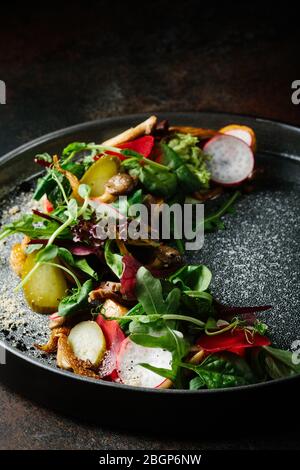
(88, 342)
(45, 288)
(99, 173)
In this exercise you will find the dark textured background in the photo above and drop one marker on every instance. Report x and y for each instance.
(70, 62)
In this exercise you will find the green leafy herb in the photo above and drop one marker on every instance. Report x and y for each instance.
(113, 260)
(221, 371)
(157, 181)
(192, 278)
(187, 179)
(77, 301)
(46, 254)
(149, 294)
(33, 226)
(186, 147)
(214, 221)
(279, 363)
(77, 262)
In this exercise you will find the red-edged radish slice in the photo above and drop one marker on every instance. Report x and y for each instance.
(47, 205)
(114, 337)
(232, 160)
(131, 373)
(245, 133)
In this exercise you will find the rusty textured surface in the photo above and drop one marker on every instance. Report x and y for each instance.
(64, 66)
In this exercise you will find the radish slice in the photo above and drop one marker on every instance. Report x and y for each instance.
(244, 133)
(232, 160)
(131, 373)
(88, 342)
(47, 205)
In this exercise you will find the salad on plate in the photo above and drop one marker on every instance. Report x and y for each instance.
(130, 309)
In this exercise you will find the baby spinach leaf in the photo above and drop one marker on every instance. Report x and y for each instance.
(47, 184)
(170, 158)
(279, 363)
(196, 383)
(123, 205)
(113, 260)
(77, 301)
(187, 179)
(46, 254)
(221, 371)
(194, 278)
(158, 182)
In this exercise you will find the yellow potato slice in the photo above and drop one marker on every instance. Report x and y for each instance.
(99, 173)
(45, 288)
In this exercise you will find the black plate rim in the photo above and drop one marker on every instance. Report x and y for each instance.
(113, 120)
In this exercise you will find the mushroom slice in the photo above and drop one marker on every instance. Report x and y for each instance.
(51, 345)
(143, 128)
(106, 290)
(117, 185)
(111, 308)
(69, 359)
(165, 256)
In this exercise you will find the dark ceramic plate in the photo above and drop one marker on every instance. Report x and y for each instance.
(254, 261)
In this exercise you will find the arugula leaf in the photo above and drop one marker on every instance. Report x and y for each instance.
(149, 294)
(79, 263)
(33, 226)
(83, 265)
(214, 221)
(77, 301)
(221, 371)
(113, 260)
(195, 278)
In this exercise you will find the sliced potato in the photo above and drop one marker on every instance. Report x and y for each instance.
(45, 288)
(99, 173)
(88, 342)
